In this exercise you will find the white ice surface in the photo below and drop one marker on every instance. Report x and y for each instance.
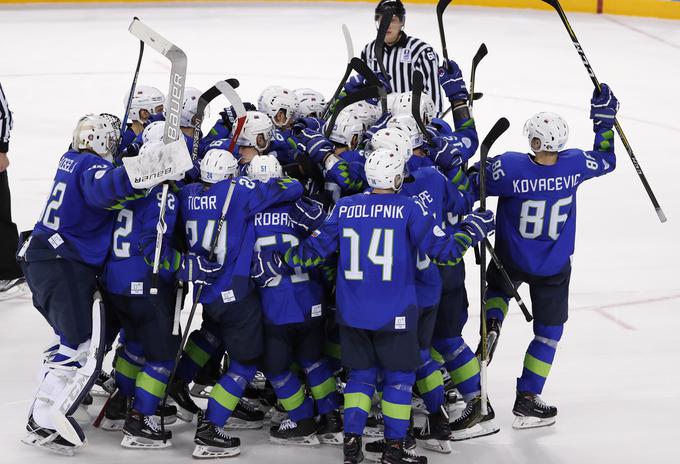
(615, 378)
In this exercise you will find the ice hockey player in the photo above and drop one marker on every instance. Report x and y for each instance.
(310, 103)
(535, 238)
(146, 102)
(294, 320)
(378, 235)
(145, 360)
(62, 259)
(280, 104)
(231, 307)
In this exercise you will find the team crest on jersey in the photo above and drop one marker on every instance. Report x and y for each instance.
(405, 56)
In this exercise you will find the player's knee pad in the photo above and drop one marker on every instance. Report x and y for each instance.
(402, 380)
(241, 373)
(548, 334)
(367, 377)
(448, 347)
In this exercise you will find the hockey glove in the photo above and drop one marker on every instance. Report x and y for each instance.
(198, 270)
(381, 123)
(268, 265)
(603, 109)
(477, 225)
(444, 155)
(451, 80)
(315, 145)
(306, 215)
(301, 124)
(229, 115)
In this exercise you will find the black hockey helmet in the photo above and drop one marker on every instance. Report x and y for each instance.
(395, 5)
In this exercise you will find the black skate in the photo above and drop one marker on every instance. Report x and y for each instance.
(397, 452)
(169, 411)
(206, 378)
(493, 332)
(245, 417)
(13, 288)
(116, 412)
(532, 412)
(351, 449)
(48, 439)
(375, 449)
(453, 399)
(144, 432)
(179, 394)
(330, 428)
(302, 433)
(471, 423)
(104, 386)
(212, 441)
(375, 425)
(435, 434)
(277, 414)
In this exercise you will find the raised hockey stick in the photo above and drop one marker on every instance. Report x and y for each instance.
(441, 7)
(178, 72)
(354, 97)
(496, 131)
(481, 53)
(348, 71)
(203, 102)
(556, 5)
(379, 48)
(132, 92)
(416, 93)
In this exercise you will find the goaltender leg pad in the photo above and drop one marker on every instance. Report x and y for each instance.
(76, 388)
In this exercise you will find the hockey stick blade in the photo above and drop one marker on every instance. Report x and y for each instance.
(354, 97)
(203, 102)
(416, 93)
(479, 56)
(348, 71)
(231, 95)
(348, 42)
(441, 7)
(361, 68)
(496, 131)
(638, 169)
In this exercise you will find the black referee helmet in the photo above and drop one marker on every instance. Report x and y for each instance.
(396, 6)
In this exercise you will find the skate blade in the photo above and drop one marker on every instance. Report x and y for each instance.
(99, 392)
(33, 439)
(309, 440)
(15, 292)
(372, 457)
(131, 442)
(432, 444)
(373, 432)
(112, 425)
(210, 452)
(240, 424)
(81, 415)
(527, 422)
(482, 429)
(331, 438)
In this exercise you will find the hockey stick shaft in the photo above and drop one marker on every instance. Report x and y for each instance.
(508, 281)
(348, 71)
(481, 53)
(558, 7)
(359, 95)
(132, 92)
(379, 49)
(441, 7)
(416, 93)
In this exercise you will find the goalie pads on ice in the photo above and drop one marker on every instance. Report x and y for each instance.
(157, 163)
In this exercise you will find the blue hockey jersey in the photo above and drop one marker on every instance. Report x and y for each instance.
(78, 218)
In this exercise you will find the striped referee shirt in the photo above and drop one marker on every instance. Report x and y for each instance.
(401, 59)
(5, 122)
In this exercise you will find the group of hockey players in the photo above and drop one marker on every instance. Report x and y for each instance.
(334, 300)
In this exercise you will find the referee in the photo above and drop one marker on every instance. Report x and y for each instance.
(11, 277)
(404, 54)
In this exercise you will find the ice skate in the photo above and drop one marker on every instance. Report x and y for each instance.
(245, 417)
(532, 412)
(104, 386)
(179, 394)
(397, 452)
(435, 434)
(143, 432)
(212, 441)
(375, 449)
(277, 414)
(48, 439)
(351, 449)
(471, 423)
(330, 428)
(374, 425)
(302, 433)
(13, 288)
(169, 411)
(116, 412)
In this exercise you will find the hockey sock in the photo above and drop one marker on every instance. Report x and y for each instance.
(322, 383)
(462, 365)
(396, 403)
(358, 394)
(496, 305)
(430, 382)
(226, 393)
(539, 358)
(292, 396)
(129, 362)
(332, 351)
(200, 347)
(150, 386)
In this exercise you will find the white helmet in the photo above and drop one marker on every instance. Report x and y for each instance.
(385, 169)
(275, 99)
(367, 113)
(402, 105)
(549, 128)
(218, 165)
(97, 133)
(190, 106)
(153, 132)
(408, 125)
(391, 98)
(264, 167)
(310, 103)
(347, 130)
(145, 98)
(393, 139)
(257, 131)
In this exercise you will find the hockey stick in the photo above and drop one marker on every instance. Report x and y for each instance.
(178, 72)
(203, 102)
(132, 92)
(379, 48)
(441, 7)
(556, 5)
(416, 93)
(348, 71)
(481, 53)
(354, 97)
(496, 131)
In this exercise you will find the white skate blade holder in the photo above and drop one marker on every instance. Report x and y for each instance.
(528, 422)
(309, 440)
(132, 442)
(211, 452)
(438, 446)
(33, 439)
(478, 430)
(239, 424)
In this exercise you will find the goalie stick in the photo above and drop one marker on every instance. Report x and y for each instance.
(178, 72)
(496, 131)
(348, 71)
(556, 5)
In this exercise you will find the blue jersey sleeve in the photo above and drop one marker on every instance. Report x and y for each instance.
(272, 192)
(313, 250)
(443, 248)
(107, 187)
